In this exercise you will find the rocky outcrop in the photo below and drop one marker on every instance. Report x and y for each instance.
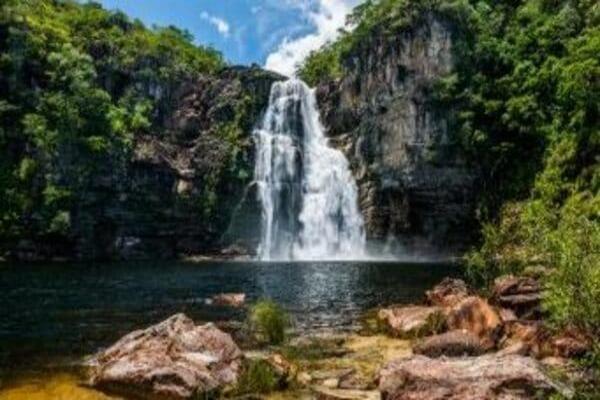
(412, 321)
(522, 295)
(475, 315)
(184, 190)
(172, 360)
(447, 293)
(415, 187)
(488, 377)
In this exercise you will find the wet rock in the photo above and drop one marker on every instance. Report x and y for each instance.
(451, 344)
(174, 359)
(447, 293)
(412, 321)
(520, 294)
(229, 299)
(475, 315)
(322, 393)
(487, 377)
(235, 251)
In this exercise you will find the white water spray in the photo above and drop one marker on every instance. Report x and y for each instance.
(308, 194)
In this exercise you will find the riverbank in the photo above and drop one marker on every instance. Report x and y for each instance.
(476, 344)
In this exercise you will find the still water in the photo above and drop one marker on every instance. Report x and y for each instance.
(52, 315)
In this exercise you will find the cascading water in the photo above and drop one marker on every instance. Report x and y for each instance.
(308, 194)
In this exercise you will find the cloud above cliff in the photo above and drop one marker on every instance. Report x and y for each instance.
(326, 18)
(220, 24)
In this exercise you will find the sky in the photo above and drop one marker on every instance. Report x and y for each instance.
(276, 34)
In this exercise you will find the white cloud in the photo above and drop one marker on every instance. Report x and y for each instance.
(219, 23)
(327, 16)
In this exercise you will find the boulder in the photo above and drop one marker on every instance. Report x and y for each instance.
(229, 299)
(475, 315)
(174, 359)
(452, 344)
(488, 377)
(412, 321)
(447, 293)
(520, 294)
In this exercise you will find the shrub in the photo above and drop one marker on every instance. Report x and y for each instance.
(268, 321)
(257, 377)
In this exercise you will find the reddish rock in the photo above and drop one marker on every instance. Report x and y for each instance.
(475, 315)
(570, 343)
(447, 293)
(520, 294)
(451, 344)
(412, 320)
(229, 299)
(489, 377)
(175, 359)
(507, 315)
(531, 336)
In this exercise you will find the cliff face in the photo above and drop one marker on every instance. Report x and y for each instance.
(183, 189)
(415, 189)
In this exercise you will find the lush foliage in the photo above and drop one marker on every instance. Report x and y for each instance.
(76, 83)
(269, 322)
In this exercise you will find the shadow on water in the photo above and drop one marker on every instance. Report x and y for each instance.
(54, 314)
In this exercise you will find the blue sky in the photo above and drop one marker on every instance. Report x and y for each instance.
(275, 33)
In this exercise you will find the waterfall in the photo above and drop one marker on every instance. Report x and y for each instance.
(308, 194)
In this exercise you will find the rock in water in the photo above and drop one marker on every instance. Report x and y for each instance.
(229, 299)
(447, 293)
(175, 360)
(412, 320)
(487, 377)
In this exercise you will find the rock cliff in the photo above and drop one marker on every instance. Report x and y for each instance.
(182, 190)
(416, 191)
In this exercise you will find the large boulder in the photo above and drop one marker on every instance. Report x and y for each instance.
(451, 344)
(475, 315)
(175, 359)
(447, 293)
(487, 377)
(520, 294)
(412, 321)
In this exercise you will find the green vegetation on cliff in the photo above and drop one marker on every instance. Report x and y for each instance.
(76, 83)
(525, 94)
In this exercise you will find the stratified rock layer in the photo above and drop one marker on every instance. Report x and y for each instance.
(172, 360)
